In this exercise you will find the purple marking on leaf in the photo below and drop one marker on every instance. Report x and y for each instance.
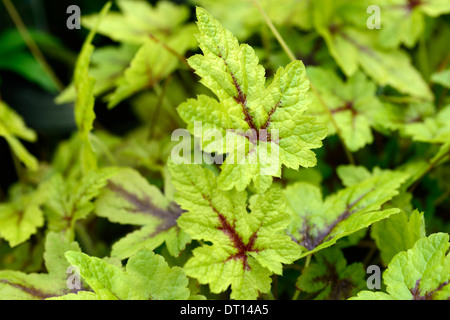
(230, 231)
(168, 216)
(310, 242)
(417, 294)
(30, 290)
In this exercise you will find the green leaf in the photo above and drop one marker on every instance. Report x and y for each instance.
(353, 105)
(151, 63)
(354, 48)
(84, 103)
(317, 224)
(72, 199)
(22, 215)
(147, 276)
(13, 128)
(129, 199)
(259, 128)
(137, 21)
(107, 66)
(247, 248)
(421, 273)
(433, 129)
(442, 78)
(20, 286)
(398, 233)
(331, 277)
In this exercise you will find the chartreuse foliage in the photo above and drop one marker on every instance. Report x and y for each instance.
(18, 285)
(129, 199)
(13, 128)
(307, 175)
(146, 276)
(249, 246)
(421, 273)
(317, 224)
(249, 115)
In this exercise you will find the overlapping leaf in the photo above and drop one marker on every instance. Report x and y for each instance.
(247, 248)
(421, 273)
(129, 199)
(258, 128)
(37, 286)
(147, 276)
(317, 224)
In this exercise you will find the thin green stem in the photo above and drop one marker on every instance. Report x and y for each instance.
(291, 56)
(159, 103)
(307, 262)
(31, 44)
(275, 31)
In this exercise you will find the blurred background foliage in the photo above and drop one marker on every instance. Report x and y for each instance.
(401, 71)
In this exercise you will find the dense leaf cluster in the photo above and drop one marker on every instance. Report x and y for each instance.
(333, 140)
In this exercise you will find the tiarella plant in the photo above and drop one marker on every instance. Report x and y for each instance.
(240, 181)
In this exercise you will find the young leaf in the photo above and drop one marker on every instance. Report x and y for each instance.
(147, 276)
(261, 124)
(317, 224)
(247, 248)
(330, 276)
(13, 128)
(129, 199)
(421, 273)
(20, 286)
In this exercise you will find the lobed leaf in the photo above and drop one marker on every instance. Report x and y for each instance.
(128, 198)
(317, 224)
(247, 248)
(420, 273)
(259, 128)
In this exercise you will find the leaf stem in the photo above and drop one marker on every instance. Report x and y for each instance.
(31, 44)
(159, 103)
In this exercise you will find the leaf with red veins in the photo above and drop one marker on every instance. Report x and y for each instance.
(245, 248)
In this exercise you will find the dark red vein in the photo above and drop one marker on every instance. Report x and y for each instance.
(241, 98)
(30, 290)
(145, 205)
(230, 231)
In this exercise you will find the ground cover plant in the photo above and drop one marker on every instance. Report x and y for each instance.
(228, 150)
